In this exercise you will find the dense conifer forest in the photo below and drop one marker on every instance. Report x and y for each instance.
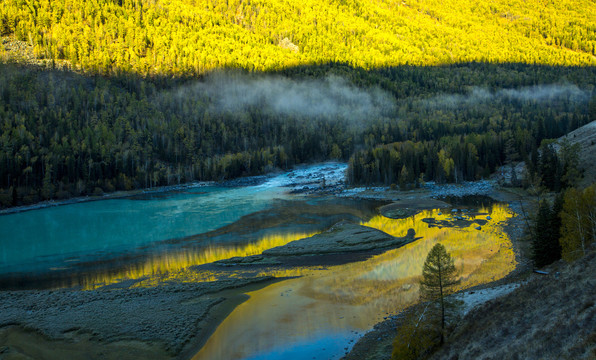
(65, 134)
(120, 95)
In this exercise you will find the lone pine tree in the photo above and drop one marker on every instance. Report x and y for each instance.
(439, 277)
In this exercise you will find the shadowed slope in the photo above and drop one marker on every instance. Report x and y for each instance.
(550, 317)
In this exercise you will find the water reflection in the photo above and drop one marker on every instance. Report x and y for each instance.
(319, 313)
(56, 237)
(177, 265)
(284, 221)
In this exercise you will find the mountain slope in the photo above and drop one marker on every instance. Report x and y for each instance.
(188, 36)
(585, 136)
(550, 317)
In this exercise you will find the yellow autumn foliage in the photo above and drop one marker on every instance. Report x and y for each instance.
(193, 37)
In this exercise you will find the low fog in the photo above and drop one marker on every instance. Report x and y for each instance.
(331, 97)
(539, 93)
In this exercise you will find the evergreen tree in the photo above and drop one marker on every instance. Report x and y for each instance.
(555, 225)
(571, 168)
(545, 244)
(549, 167)
(439, 277)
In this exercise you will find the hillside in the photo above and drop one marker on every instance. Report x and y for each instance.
(190, 37)
(549, 317)
(100, 96)
(66, 134)
(585, 136)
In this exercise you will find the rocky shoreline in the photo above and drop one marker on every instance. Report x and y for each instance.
(377, 343)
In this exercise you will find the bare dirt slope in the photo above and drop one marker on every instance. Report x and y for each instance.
(586, 137)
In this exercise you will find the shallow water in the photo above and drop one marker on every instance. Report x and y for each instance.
(322, 313)
(162, 237)
(58, 238)
(37, 240)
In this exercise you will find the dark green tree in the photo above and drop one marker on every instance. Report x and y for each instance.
(541, 234)
(555, 225)
(571, 167)
(546, 248)
(439, 277)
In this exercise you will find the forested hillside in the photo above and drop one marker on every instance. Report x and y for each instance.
(65, 134)
(192, 37)
(156, 93)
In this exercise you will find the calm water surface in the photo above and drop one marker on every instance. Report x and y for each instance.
(319, 314)
(51, 238)
(40, 239)
(322, 313)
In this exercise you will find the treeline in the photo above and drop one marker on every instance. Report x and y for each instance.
(467, 138)
(65, 134)
(553, 166)
(181, 37)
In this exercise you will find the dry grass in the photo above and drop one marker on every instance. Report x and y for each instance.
(550, 317)
(586, 137)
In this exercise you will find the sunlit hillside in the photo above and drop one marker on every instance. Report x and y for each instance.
(189, 36)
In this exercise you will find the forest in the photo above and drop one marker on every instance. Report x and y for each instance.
(189, 37)
(105, 95)
(66, 134)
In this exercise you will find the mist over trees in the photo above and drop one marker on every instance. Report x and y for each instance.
(459, 138)
(179, 91)
(65, 134)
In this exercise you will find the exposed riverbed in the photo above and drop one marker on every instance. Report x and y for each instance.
(355, 267)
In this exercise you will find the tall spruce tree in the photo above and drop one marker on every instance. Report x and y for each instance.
(555, 226)
(545, 244)
(439, 277)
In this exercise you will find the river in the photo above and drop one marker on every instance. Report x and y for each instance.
(74, 238)
(319, 312)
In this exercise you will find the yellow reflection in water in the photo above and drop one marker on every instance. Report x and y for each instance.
(355, 296)
(174, 265)
(480, 255)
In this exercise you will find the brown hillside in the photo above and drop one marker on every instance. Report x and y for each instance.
(550, 317)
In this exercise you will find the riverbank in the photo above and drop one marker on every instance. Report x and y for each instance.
(165, 322)
(108, 196)
(303, 179)
(173, 318)
(506, 319)
(377, 344)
